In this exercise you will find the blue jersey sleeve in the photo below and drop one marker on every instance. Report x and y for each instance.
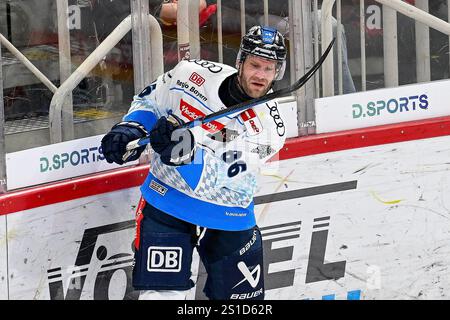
(144, 109)
(148, 106)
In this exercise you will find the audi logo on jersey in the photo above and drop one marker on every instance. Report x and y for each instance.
(212, 67)
(192, 113)
(277, 118)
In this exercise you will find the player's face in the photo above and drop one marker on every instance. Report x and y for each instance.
(257, 75)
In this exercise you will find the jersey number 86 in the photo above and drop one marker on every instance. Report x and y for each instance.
(237, 165)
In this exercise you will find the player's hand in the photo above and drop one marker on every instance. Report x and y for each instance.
(114, 143)
(175, 146)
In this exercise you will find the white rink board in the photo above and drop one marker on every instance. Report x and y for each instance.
(382, 106)
(3, 260)
(56, 162)
(392, 251)
(388, 231)
(50, 237)
(288, 113)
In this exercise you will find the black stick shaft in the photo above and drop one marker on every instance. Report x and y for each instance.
(243, 105)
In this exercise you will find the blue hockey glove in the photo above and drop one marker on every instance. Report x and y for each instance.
(115, 141)
(175, 146)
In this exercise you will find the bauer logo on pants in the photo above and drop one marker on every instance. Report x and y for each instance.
(164, 259)
(248, 275)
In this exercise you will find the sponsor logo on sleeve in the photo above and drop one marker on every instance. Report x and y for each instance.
(251, 122)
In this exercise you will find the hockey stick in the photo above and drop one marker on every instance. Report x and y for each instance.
(240, 106)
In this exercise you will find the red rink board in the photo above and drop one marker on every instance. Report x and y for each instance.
(297, 147)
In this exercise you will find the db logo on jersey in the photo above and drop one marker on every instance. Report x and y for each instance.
(251, 122)
(164, 259)
(197, 79)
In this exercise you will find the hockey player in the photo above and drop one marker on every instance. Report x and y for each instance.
(199, 191)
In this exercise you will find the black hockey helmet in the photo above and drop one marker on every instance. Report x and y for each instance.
(264, 42)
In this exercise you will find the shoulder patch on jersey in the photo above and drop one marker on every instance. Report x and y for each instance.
(147, 90)
(167, 74)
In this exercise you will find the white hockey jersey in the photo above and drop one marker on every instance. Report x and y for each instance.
(215, 190)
